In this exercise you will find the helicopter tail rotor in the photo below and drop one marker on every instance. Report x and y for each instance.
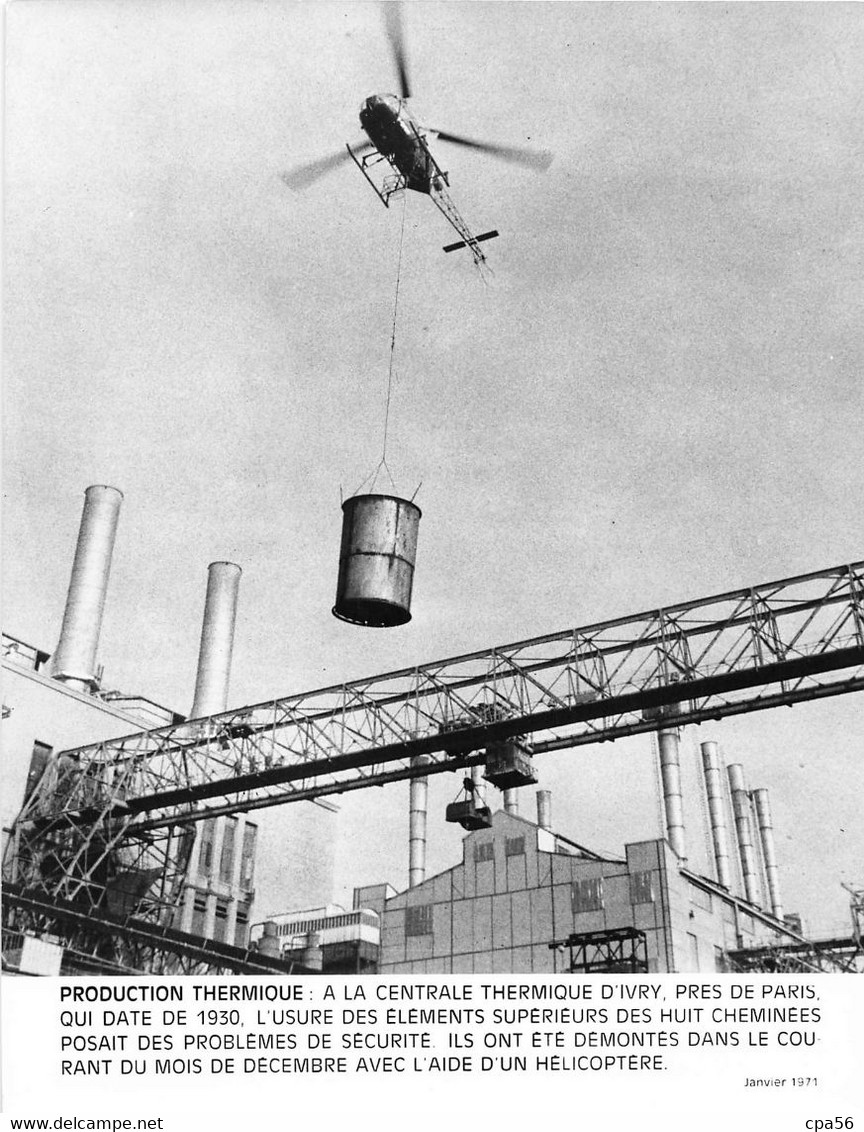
(393, 17)
(539, 159)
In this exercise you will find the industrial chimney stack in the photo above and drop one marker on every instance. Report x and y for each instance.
(417, 804)
(544, 809)
(217, 639)
(75, 657)
(670, 774)
(769, 855)
(717, 812)
(744, 828)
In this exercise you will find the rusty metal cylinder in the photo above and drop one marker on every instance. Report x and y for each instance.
(376, 560)
(75, 659)
(217, 639)
(511, 802)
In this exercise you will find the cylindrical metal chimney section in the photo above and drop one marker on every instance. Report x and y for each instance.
(670, 774)
(769, 855)
(75, 659)
(717, 813)
(544, 809)
(511, 801)
(743, 826)
(419, 792)
(376, 560)
(217, 639)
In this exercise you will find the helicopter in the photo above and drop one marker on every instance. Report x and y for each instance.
(396, 141)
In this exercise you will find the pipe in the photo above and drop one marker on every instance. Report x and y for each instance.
(744, 828)
(769, 855)
(670, 774)
(419, 792)
(544, 809)
(717, 813)
(511, 802)
(75, 658)
(217, 639)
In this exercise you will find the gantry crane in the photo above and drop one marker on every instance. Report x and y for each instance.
(108, 830)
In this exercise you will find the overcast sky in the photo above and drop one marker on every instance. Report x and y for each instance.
(657, 396)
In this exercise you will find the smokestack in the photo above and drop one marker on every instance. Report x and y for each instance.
(511, 802)
(743, 825)
(217, 639)
(544, 809)
(75, 658)
(717, 813)
(766, 837)
(670, 774)
(419, 791)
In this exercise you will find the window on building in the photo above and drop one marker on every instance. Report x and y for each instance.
(226, 859)
(700, 898)
(241, 930)
(199, 913)
(38, 761)
(418, 920)
(694, 951)
(484, 851)
(642, 887)
(220, 923)
(587, 895)
(514, 847)
(205, 854)
(247, 859)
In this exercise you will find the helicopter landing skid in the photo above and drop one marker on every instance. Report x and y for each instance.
(392, 185)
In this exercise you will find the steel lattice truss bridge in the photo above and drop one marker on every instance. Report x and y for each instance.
(110, 826)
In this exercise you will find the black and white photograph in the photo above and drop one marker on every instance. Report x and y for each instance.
(432, 491)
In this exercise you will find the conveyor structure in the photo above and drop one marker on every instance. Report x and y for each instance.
(108, 824)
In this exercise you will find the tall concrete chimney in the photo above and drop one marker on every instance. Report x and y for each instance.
(769, 855)
(544, 809)
(670, 774)
(744, 828)
(417, 802)
(217, 639)
(717, 813)
(75, 658)
(511, 802)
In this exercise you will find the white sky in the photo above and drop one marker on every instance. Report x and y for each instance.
(656, 398)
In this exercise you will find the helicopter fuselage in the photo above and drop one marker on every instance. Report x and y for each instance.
(397, 137)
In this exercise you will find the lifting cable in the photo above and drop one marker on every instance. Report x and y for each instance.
(382, 463)
(393, 336)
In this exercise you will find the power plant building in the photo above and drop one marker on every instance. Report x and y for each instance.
(527, 900)
(59, 702)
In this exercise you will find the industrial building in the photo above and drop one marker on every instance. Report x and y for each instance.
(140, 840)
(52, 703)
(525, 899)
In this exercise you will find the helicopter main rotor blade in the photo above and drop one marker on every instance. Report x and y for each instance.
(533, 158)
(393, 17)
(306, 175)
